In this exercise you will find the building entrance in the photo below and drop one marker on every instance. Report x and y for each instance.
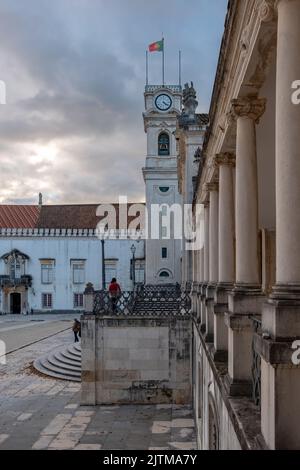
(15, 302)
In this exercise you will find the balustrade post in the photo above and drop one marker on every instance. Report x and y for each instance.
(89, 298)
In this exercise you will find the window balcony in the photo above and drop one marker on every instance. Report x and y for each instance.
(7, 281)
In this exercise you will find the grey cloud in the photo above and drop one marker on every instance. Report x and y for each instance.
(75, 76)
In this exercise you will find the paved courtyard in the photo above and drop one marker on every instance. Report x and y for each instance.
(44, 413)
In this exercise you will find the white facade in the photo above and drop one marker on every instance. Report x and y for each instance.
(62, 266)
(163, 254)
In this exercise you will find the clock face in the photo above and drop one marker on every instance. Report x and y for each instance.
(163, 102)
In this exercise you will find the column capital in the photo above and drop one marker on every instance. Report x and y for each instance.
(210, 187)
(226, 158)
(267, 10)
(253, 108)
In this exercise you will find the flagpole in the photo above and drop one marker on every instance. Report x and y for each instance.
(179, 68)
(147, 77)
(163, 61)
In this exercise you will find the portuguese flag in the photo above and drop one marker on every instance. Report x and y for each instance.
(157, 46)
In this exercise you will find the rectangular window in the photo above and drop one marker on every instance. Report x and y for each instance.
(164, 232)
(47, 271)
(140, 271)
(78, 268)
(164, 253)
(78, 300)
(47, 301)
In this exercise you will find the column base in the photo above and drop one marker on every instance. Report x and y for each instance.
(280, 368)
(286, 292)
(238, 388)
(246, 299)
(209, 303)
(203, 306)
(240, 336)
(220, 356)
(281, 316)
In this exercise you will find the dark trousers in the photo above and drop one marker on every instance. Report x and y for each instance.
(76, 336)
(114, 302)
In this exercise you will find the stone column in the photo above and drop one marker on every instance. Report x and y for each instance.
(206, 243)
(280, 376)
(205, 266)
(247, 113)
(226, 163)
(226, 276)
(213, 189)
(247, 297)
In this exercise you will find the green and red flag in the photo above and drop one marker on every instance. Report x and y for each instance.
(157, 46)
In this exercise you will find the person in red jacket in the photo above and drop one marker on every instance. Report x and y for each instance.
(114, 292)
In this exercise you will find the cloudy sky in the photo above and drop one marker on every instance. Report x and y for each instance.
(75, 74)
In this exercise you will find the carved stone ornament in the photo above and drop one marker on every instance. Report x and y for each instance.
(252, 108)
(245, 38)
(225, 159)
(267, 10)
(210, 187)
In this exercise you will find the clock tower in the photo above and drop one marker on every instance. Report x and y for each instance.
(163, 252)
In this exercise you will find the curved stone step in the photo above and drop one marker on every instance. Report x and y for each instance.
(68, 356)
(63, 364)
(48, 369)
(76, 346)
(66, 360)
(74, 351)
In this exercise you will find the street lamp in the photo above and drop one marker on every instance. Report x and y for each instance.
(103, 264)
(133, 250)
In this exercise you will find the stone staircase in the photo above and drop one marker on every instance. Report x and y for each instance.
(63, 364)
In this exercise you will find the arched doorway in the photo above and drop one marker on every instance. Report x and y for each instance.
(15, 302)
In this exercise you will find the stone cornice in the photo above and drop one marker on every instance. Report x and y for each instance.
(59, 233)
(252, 108)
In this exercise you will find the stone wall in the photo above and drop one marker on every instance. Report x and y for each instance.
(135, 360)
(222, 422)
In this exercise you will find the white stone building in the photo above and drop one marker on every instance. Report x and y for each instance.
(49, 253)
(246, 278)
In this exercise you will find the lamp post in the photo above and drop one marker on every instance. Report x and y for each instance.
(103, 264)
(133, 250)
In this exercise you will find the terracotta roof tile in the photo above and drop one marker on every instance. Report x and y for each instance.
(76, 216)
(18, 216)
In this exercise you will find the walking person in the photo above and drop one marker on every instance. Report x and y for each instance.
(115, 293)
(76, 329)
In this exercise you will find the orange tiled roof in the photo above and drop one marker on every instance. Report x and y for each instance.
(18, 216)
(72, 216)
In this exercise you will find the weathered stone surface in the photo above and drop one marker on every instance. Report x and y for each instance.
(141, 360)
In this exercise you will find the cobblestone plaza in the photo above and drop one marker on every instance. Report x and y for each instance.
(38, 412)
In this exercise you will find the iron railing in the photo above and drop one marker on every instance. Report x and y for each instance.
(256, 363)
(167, 300)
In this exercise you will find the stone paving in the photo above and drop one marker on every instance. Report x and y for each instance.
(44, 413)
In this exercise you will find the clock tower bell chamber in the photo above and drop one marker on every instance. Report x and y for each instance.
(163, 105)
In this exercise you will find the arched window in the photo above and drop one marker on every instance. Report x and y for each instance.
(163, 144)
(164, 274)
